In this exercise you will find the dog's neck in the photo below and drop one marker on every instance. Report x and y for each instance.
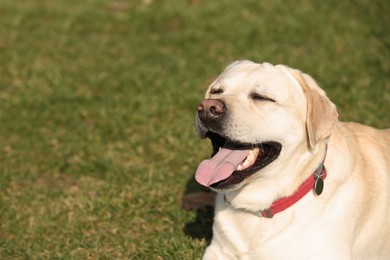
(314, 183)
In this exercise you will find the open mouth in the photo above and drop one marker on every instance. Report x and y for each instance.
(233, 162)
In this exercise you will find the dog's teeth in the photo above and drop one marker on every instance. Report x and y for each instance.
(250, 159)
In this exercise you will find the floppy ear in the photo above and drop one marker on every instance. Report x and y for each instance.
(322, 115)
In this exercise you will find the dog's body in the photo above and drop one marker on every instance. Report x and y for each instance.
(284, 110)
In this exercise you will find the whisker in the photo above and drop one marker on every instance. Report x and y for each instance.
(261, 148)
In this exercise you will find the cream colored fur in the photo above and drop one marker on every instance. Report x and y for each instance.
(349, 220)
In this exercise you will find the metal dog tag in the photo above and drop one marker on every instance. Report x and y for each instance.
(319, 186)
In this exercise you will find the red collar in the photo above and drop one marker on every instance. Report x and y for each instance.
(314, 182)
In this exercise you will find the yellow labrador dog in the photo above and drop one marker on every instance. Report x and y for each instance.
(292, 181)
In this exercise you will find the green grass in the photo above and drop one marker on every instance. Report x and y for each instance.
(97, 100)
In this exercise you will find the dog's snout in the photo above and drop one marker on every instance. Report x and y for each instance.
(211, 109)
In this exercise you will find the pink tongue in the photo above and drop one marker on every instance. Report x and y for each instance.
(220, 167)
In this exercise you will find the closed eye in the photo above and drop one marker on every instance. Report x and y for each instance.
(258, 97)
(216, 91)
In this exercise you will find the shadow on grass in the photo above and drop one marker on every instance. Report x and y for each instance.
(201, 227)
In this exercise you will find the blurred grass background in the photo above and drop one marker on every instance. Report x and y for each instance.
(97, 100)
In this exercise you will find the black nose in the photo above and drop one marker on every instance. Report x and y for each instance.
(211, 109)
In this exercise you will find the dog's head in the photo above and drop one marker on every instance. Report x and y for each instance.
(257, 117)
